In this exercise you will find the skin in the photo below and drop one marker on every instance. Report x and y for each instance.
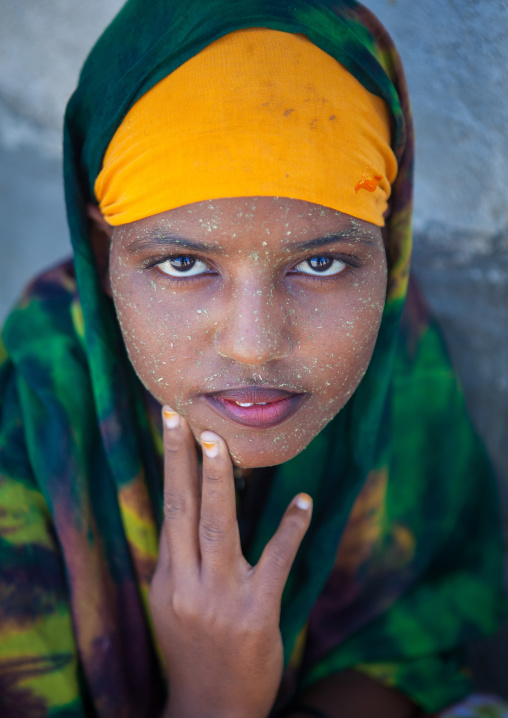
(303, 333)
(254, 312)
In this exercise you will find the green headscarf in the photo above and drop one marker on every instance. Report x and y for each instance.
(404, 525)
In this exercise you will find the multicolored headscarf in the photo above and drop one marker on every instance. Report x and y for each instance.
(401, 566)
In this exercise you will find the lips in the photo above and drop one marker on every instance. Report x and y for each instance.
(257, 407)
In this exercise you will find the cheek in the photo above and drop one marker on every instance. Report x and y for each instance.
(340, 338)
(161, 333)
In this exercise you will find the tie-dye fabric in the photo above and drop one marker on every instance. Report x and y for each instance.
(401, 567)
(477, 706)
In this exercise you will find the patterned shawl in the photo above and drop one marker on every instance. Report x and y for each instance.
(401, 565)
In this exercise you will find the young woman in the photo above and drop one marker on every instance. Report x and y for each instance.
(238, 184)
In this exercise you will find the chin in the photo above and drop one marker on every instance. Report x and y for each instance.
(250, 452)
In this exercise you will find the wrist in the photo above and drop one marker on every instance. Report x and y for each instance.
(176, 709)
(304, 711)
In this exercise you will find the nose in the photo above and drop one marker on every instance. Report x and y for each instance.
(254, 327)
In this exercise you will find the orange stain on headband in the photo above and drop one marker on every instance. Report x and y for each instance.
(369, 179)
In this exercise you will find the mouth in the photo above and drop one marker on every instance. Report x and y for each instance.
(256, 407)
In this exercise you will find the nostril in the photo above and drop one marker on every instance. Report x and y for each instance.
(253, 347)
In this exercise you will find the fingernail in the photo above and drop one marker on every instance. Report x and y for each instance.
(171, 418)
(210, 444)
(303, 501)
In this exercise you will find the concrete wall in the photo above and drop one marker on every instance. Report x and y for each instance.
(455, 53)
(42, 47)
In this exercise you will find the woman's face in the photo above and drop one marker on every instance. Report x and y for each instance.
(255, 317)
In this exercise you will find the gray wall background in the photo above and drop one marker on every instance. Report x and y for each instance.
(456, 58)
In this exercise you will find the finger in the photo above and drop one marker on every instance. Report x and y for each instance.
(280, 552)
(218, 527)
(163, 557)
(162, 566)
(159, 581)
(181, 491)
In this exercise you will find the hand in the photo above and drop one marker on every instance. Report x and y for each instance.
(216, 617)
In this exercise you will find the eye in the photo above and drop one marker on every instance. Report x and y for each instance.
(183, 265)
(321, 266)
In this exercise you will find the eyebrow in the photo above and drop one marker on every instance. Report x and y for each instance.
(156, 240)
(352, 235)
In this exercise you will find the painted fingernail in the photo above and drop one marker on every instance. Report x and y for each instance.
(303, 501)
(210, 444)
(171, 418)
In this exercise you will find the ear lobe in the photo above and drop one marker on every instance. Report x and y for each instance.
(100, 233)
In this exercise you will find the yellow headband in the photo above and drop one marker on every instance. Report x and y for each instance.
(258, 112)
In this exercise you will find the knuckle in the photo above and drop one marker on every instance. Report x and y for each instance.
(294, 522)
(171, 445)
(174, 506)
(212, 477)
(280, 556)
(210, 532)
(213, 617)
(184, 607)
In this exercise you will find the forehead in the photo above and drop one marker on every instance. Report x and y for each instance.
(224, 223)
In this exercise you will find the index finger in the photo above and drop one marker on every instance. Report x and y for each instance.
(181, 491)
